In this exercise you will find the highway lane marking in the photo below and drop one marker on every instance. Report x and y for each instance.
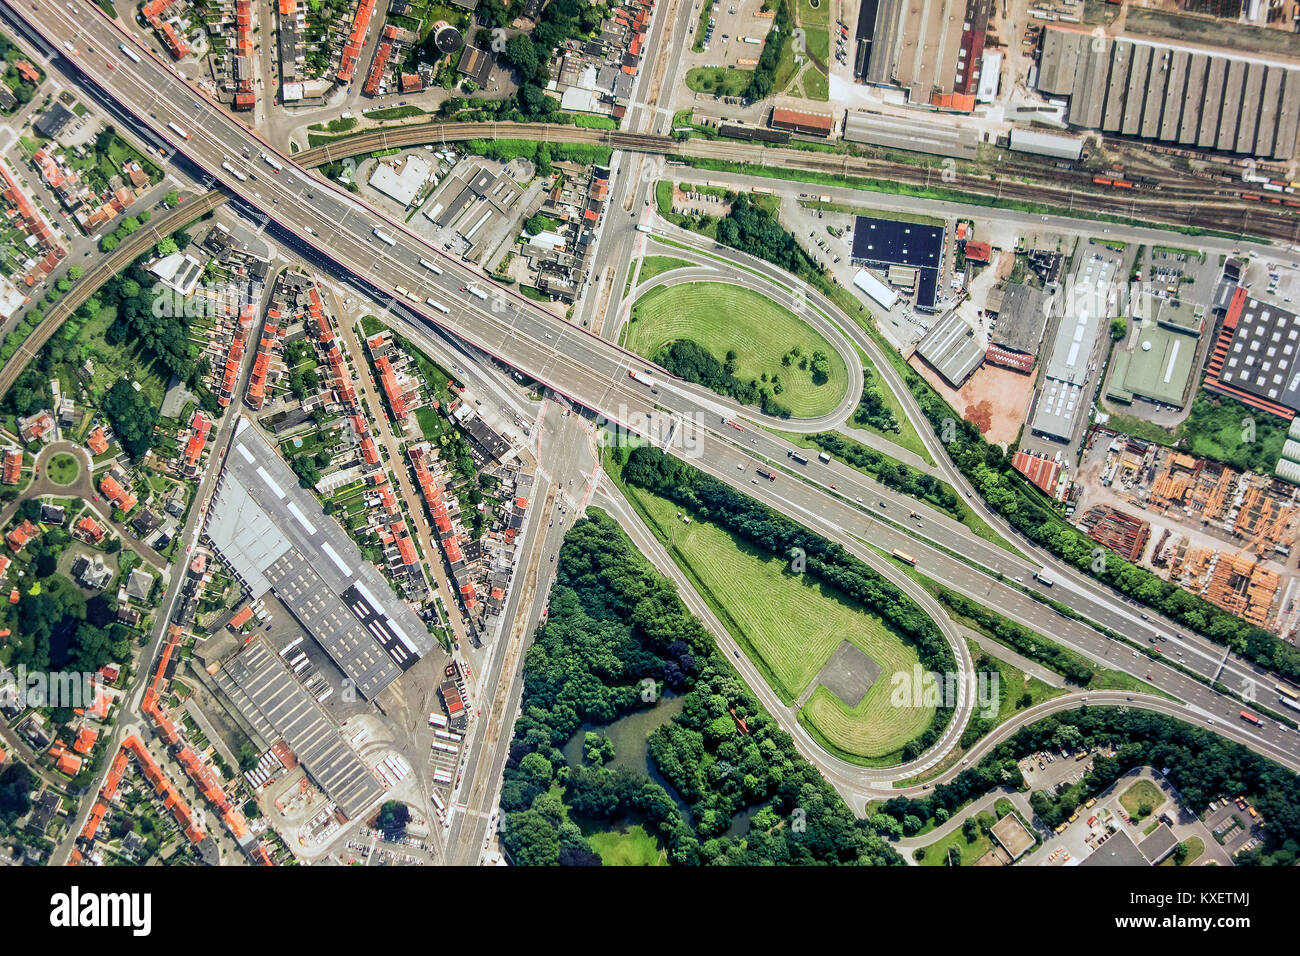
(206, 120)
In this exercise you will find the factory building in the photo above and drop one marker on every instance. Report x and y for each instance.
(1154, 90)
(889, 244)
(892, 132)
(932, 49)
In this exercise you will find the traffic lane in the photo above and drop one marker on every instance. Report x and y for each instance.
(202, 125)
(1093, 600)
(1094, 699)
(1009, 602)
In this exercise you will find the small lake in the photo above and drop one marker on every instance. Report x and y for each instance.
(631, 735)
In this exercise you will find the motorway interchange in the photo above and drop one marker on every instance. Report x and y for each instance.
(381, 255)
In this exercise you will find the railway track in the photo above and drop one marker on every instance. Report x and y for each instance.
(1193, 204)
(134, 246)
(1181, 199)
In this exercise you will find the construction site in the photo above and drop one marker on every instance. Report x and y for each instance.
(1226, 535)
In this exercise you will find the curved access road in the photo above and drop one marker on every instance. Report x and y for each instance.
(135, 245)
(795, 304)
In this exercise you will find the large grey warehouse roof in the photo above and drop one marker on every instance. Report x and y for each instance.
(1085, 308)
(1153, 89)
(891, 132)
(272, 700)
(1022, 317)
(953, 349)
(275, 537)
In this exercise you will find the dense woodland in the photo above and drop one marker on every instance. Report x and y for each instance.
(613, 625)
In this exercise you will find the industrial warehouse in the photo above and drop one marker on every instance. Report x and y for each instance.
(274, 537)
(1254, 358)
(1155, 90)
(891, 244)
(1157, 362)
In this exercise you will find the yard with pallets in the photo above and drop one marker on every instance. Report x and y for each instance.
(789, 625)
(722, 318)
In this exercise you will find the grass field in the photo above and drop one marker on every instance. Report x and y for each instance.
(789, 625)
(63, 469)
(632, 846)
(1142, 792)
(722, 317)
(652, 266)
(718, 80)
(1195, 847)
(1015, 683)
(936, 854)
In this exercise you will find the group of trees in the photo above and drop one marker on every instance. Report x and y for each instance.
(133, 417)
(1200, 764)
(530, 56)
(891, 473)
(873, 411)
(764, 76)
(714, 500)
(616, 635)
(687, 359)
(59, 610)
(752, 229)
(21, 89)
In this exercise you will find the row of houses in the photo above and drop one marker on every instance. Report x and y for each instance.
(88, 208)
(596, 75)
(560, 258)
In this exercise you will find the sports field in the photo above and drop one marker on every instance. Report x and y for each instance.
(790, 625)
(723, 318)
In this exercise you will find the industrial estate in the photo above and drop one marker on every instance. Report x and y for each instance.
(655, 432)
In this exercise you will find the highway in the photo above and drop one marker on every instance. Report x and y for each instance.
(953, 549)
(576, 363)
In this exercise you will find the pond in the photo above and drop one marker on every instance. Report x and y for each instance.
(630, 735)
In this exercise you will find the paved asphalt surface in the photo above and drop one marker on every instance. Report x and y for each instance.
(596, 373)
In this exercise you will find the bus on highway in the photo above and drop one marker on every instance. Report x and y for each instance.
(904, 557)
(225, 164)
(272, 162)
(129, 53)
(431, 267)
(384, 237)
